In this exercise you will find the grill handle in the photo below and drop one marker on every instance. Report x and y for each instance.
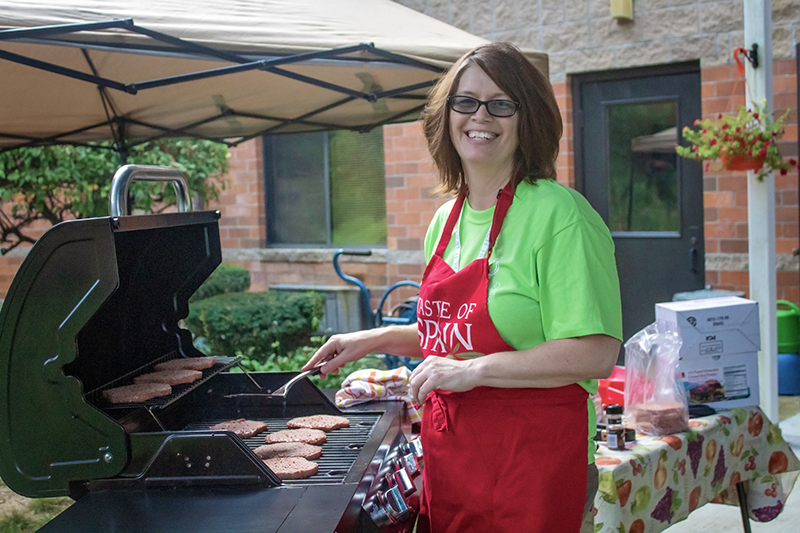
(118, 196)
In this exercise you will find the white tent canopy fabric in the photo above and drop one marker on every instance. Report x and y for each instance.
(228, 71)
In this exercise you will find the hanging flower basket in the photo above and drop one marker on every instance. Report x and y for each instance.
(741, 162)
(745, 141)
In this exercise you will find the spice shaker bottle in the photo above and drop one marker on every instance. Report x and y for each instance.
(615, 438)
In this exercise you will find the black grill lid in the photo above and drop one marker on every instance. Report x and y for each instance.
(93, 300)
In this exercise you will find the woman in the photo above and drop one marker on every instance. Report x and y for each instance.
(518, 313)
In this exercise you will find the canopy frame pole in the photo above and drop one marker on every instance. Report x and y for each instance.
(68, 72)
(761, 211)
(118, 124)
(105, 99)
(46, 31)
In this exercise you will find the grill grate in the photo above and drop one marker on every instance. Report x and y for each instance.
(95, 397)
(339, 452)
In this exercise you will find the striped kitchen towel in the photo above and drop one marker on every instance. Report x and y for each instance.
(367, 385)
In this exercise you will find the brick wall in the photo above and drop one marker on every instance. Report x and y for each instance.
(581, 36)
(725, 193)
(565, 164)
(410, 205)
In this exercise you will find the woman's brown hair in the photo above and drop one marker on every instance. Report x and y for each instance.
(539, 129)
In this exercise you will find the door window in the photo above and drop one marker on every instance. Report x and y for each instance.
(643, 168)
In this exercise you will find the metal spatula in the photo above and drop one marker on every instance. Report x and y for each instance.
(284, 390)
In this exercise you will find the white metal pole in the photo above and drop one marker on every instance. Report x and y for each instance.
(761, 209)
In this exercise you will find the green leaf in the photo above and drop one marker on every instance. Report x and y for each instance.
(676, 503)
(608, 487)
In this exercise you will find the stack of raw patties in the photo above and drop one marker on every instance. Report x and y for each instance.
(160, 382)
(660, 418)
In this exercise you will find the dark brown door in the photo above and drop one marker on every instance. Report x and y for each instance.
(627, 124)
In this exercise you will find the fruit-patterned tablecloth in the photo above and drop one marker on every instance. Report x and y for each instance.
(658, 481)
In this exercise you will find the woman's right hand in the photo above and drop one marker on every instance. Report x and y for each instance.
(341, 349)
(402, 341)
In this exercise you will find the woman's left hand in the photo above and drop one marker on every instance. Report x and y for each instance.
(440, 373)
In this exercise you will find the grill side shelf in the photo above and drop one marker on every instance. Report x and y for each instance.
(95, 397)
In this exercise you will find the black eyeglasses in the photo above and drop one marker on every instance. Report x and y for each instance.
(468, 105)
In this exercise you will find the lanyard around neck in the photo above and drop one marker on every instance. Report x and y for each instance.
(457, 245)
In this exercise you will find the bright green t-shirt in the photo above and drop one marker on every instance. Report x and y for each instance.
(552, 273)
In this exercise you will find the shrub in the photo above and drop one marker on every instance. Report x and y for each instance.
(253, 322)
(226, 278)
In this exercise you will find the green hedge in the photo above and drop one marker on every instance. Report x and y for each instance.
(256, 323)
(294, 361)
(226, 278)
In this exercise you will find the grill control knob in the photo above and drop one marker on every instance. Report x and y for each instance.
(378, 511)
(396, 507)
(409, 462)
(416, 447)
(403, 479)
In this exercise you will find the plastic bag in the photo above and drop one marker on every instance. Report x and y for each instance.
(655, 398)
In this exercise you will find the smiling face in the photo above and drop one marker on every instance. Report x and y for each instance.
(486, 144)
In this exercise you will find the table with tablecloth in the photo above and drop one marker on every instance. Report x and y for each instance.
(657, 481)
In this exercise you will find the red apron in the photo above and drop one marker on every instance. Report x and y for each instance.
(495, 459)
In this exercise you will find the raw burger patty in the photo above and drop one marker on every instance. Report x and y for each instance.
(190, 363)
(170, 377)
(323, 422)
(136, 393)
(309, 436)
(288, 449)
(292, 467)
(243, 428)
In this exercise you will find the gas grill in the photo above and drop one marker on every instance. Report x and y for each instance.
(98, 302)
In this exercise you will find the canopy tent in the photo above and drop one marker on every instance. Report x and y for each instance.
(82, 71)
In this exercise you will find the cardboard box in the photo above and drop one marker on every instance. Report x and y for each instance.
(719, 353)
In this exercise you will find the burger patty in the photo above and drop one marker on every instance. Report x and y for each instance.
(139, 392)
(309, 436)
(187, 363)
(243, 428)
(170, 377)
(292, 467)
(321, 422)
(288, 449)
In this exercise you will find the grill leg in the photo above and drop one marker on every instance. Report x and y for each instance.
(743, 507)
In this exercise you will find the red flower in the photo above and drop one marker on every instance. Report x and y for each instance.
(784, 172)
(719, 116)
(755, 115)
(724, 126)
(708, 165)
(792, 162)
(767, 143)
(713, 142)
(762, 153)
(738, 130)
(774, 133)
(705, 131)
(694, 147)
